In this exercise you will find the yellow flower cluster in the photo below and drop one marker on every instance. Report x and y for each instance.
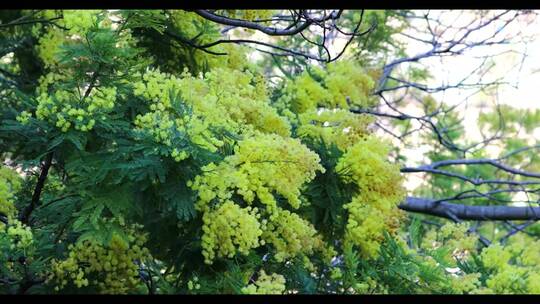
(111, 267)
(513, 268)
(466, 283)
(49, 45)
(250, 14)
(335, 273)
(20, 234)
(193, 284)
(229, 229)
(507, 280)
(224, 99)
(341, 85)
(346, 80)
(262, 165)
(66, 109)
(495, 256)
(266, 284)
(10, 182)
(291, 235)
(163, 119)
(303, 94)
(519, 255)
(374, 208)
(24, 117)
(366, 225)
(452, 235)
(337, 126)
(79, 21)
(73, 107)
(533, 283)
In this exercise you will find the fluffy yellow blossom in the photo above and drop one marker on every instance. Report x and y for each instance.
(342, 85)
(49, 44)
(229, 229)
(261, 166)
(454, 236)
(24, 117)
(495, 256)
(336, 126)
(76, 111)
(200, 108)
(374, 209)
(250, 14)
(79, 21)
(10, 182)
(266, 284)
(20, 234)
(112, 265)
(291, 235)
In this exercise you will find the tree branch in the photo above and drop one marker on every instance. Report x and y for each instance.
(481, 161)
(464, 212)
(39, 187)
(252, 25)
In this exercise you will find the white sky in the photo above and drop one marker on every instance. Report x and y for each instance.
(523, 74)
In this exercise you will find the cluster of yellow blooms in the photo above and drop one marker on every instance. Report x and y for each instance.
(18, 240)
(194, 284)
(452, 235)
(78, 22)
(75, 108)
(373, 210)
(319, 102)
(24, 117)
(262, 165)
(302, 94)
(291, 235)
(349, 85)
(65, 109)
(342, 85)
(10, 182)
(20, 234)
(337, 126)
(514, 267)
(511, 268)
(266, 284)
(465, 283)
(250, 14)
(224, 99)
(368, 286)
(49, 46)
(112, 268)
(229, 229)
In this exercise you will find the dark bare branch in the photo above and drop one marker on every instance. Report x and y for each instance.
(464, 212)
(25, 215)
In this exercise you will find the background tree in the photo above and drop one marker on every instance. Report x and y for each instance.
(243, 151)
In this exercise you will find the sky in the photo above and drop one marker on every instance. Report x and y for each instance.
(518, 64)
